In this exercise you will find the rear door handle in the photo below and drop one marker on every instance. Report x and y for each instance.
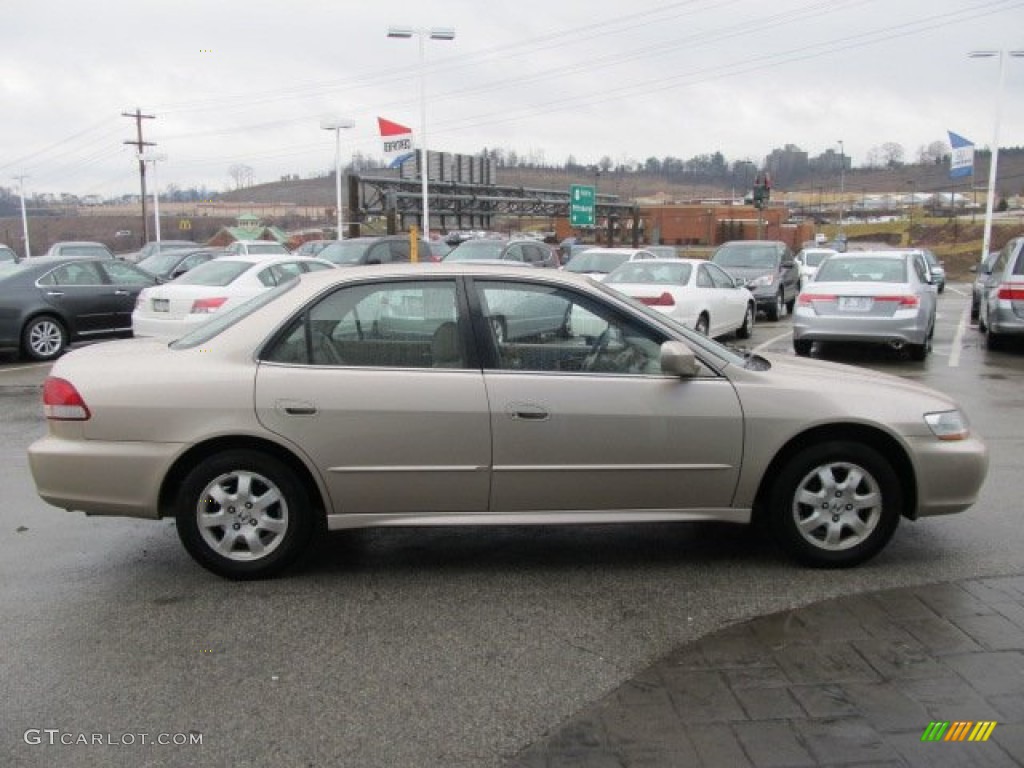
(121, 293)
(55, 293)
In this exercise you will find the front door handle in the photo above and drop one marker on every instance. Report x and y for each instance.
(296, 407)
(55, 293)
(527, 412)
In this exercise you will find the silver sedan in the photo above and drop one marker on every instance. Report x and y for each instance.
(385, 396)
(884, 297)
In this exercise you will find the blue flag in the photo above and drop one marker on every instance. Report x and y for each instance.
(962, 160)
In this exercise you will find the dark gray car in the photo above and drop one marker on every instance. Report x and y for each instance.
(387, 249)
(768, 269)
(48, 302)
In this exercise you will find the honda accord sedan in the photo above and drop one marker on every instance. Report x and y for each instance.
(384, 396)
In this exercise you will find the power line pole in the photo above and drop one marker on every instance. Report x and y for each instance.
(24, 215)
(139, 144)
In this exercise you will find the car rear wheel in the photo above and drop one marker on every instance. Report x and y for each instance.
(44, 338)
(802, 347)
(703, 324)
(835, 504)
(778, 308)
(993, 340)
(244, 515)
(745, 330)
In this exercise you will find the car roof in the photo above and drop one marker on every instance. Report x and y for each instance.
(79, 242)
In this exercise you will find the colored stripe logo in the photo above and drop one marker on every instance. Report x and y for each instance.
(959, 730)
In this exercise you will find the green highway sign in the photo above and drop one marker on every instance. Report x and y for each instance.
(581, 205)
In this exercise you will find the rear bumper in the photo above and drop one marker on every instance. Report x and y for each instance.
(881, 330)
(99, 477)
(1004, 320)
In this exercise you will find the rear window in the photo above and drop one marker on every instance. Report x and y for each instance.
(216, 272)
(265, 248)
(596, 262)
(840, 270)
(476, 249)
(345, 252)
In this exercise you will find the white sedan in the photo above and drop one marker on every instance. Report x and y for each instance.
(696, 293)
(171, 310)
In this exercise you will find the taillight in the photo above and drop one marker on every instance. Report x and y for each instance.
(904, 301)
(1011, 292)
(665, 300)
(806, 299)
(205, 306)
(61, 401)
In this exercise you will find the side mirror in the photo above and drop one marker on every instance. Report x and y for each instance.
(739, 282)
(677, 359)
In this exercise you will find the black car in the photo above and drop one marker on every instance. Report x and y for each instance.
(174, 263)
(531, 252)
(48, 302)
(387, 249)
(769, 270)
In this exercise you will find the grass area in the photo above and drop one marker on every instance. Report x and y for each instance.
(956, 242)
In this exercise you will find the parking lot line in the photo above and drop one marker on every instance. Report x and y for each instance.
(771, 341)
(958, 337)
(31, 367)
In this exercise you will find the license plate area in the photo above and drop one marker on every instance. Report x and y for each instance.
(161, 305)
(855, 303)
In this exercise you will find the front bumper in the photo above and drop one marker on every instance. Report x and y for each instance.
(949, 474)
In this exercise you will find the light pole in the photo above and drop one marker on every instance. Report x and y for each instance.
(337, 124)
(153, 160)
(434, 33)
(842, 182)
(910, 212)
(994, 160)
(24, 216)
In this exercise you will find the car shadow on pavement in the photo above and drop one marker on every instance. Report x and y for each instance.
(487, 548)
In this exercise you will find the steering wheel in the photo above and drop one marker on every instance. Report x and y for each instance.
(597, 349)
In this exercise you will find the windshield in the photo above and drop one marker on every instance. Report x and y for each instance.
(221, 320)
(861, 270)
(648, 272)
(216, 272)
(476, 249)
(746, 255)
(595, 261)
(159, 263)
(814, 258)
(345, 252)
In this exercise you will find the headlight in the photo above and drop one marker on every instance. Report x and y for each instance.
(948, 425)
(762, 280)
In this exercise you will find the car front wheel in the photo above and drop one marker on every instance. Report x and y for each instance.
(745, 330)
(244, 515)
(44, 338)
(835, 504)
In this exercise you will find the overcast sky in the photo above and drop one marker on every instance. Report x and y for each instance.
(240, 82)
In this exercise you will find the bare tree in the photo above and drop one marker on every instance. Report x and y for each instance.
(892, 154)
(241, 175)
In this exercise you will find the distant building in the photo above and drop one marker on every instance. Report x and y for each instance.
(786, 164)
(248, 227)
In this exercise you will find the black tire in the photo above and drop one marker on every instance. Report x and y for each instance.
(44, 338)
(995, 341)
(703, 325)
(830, 539)
(802, 347)
(918, 352)
(217, 509)
(745, 330)
(975, 311)
(791, 304)
(775, 311)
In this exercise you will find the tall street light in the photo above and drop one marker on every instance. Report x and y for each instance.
(434, 33)
(994, 160)
(842, 182)
(337, 124)
(153, 160)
